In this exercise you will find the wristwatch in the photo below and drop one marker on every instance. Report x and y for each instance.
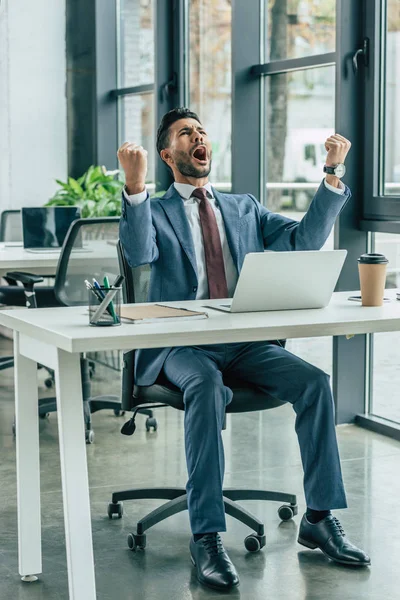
(338, 170)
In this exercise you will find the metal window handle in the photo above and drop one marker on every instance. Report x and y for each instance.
(361, 52)
(168, 88)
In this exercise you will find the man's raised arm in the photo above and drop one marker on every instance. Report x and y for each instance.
(137, 233)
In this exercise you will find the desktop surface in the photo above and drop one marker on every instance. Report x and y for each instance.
(68, 328)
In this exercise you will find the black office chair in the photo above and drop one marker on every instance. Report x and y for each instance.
(246, 398)
(96, 240)
(13, 294)
(11, 226)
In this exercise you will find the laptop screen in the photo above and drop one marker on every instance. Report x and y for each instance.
(46, 227)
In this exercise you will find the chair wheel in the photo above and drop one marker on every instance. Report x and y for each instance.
(115, 508)
(119, 413)
(89, 435)
(136, 541)
(151, 422)
(287, 512)
(44, 415)
(49, 382)
(254, 542)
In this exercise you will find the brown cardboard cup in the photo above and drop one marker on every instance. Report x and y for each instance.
(372, 272)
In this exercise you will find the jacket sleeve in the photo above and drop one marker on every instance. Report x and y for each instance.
(137, 233)
(281, 233)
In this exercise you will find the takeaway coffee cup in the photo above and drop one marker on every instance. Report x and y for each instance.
(372, 272)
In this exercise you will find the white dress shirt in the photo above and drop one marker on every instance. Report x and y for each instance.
(191, 205)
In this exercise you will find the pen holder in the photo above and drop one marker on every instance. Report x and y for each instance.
(102, 313)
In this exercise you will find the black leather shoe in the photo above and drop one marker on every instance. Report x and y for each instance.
(213, 565)
(328, 536)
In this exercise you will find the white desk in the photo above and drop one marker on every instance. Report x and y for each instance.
(56, 336)
(16, 258)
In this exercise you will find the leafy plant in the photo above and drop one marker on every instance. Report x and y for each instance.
(97, 193)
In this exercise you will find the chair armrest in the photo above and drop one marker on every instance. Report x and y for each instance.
(127, 401)
(24, 278)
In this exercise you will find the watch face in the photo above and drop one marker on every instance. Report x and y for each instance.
(340, 170)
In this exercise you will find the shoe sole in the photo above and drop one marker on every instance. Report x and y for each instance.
(313, 546)
(213, 587)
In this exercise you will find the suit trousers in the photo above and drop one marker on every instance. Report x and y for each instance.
(198, 372)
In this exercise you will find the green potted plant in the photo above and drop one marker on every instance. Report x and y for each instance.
(97, 192)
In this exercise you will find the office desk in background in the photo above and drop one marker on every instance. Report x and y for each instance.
(58, 335)
(16, 258)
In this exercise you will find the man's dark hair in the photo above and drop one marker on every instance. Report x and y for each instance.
(168, 119)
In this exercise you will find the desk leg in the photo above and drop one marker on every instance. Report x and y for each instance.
(74, 474)
(28, 465)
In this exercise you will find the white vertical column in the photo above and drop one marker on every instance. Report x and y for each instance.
(33, 106)
(28, 465)
(75, 484)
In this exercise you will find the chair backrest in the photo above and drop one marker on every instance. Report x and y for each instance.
(135, 288)
(137, 279)
(89, 251)
(11, 226)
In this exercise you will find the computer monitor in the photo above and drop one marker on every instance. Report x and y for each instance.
(46, 227)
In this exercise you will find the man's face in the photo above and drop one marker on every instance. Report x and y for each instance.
(189, 149)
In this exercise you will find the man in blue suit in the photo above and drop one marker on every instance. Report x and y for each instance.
(195, 239)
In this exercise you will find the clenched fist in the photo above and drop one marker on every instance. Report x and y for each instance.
(133, 159)
(337, 147)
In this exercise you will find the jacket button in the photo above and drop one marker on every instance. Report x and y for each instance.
(195, 289)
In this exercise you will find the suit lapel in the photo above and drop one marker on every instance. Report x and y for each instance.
(173, 207)
(230, 214)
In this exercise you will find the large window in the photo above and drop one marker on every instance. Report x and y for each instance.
(299, 116)
(386, 346)
(210, 88)
(136, 77)
(391, 91)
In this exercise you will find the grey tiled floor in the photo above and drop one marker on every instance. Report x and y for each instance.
(261, 450)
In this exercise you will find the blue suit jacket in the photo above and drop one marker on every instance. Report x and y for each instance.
(157, 232)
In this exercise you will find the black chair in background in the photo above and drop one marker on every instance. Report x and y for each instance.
(13, 294)
(246, 398)
(11, 226)
(89, 250)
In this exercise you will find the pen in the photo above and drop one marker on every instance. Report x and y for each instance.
(100, 294)
(111, 305)
(93, 290)
(97, 286)
(118, 281)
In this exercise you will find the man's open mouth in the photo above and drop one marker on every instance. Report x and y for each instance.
(200, 154)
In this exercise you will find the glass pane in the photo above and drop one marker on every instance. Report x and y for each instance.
(300, 116)
(210, 79)
(386, 353)
(392, 100)
(137, 125)
(297, 28)
(136, 42)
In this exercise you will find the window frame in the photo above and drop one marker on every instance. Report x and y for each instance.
(380, 212)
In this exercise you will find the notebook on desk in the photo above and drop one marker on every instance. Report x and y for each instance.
(155, 313)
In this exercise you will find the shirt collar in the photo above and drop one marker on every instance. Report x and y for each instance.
(185, 190)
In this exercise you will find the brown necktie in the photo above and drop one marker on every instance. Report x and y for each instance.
(217, 285)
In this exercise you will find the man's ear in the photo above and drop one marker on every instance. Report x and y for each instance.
(166, 156)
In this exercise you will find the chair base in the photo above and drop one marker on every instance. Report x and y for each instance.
(177, 502)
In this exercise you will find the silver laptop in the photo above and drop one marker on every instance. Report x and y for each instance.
(285, 281)
(44, 228)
